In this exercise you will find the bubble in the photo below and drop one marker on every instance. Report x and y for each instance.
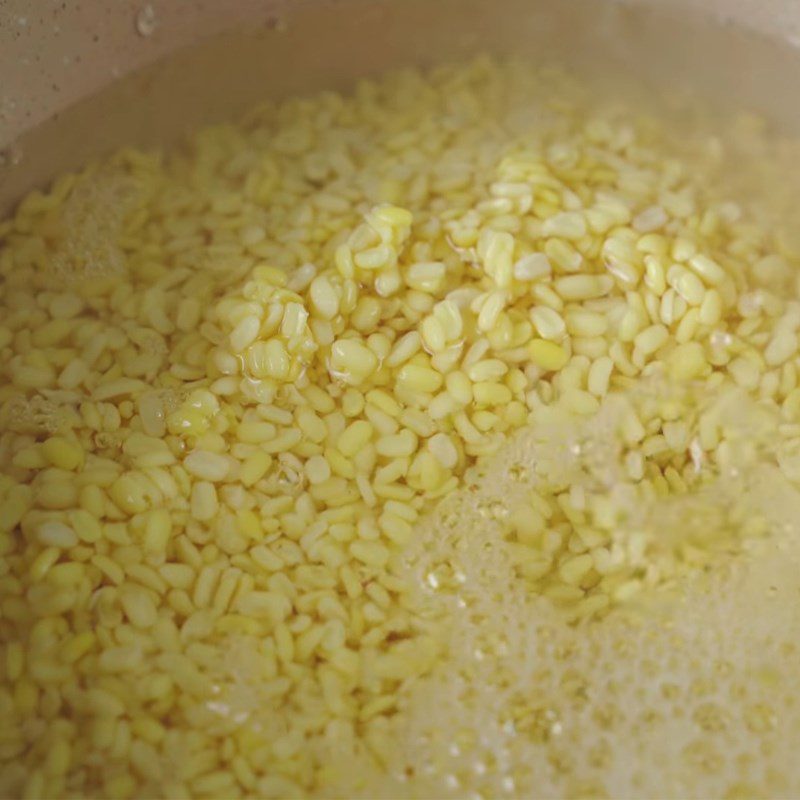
(721, 340)
(145, 21)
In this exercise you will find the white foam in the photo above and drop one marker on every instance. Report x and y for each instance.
(686, 692)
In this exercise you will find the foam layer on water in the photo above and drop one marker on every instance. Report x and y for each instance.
(90, 225)
(685, 690)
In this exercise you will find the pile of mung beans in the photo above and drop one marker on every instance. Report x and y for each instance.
(235, 376)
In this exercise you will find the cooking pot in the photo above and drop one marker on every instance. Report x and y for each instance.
(79, 80)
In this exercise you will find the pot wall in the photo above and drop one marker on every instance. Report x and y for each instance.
(77, 79)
